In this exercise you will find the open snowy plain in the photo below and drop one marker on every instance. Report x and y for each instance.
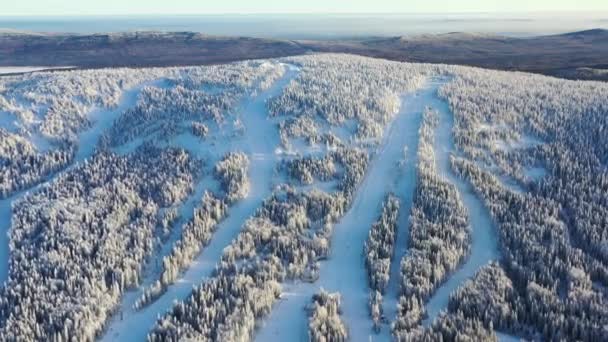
(323, 197)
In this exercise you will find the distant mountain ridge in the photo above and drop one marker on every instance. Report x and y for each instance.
(558, 55)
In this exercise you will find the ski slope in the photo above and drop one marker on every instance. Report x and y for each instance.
(259, 142)
(344, 271)
(484, 240)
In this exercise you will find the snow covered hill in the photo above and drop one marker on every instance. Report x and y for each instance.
(221, 203)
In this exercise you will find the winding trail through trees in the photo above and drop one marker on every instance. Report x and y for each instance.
(260, 139)
(345, 271)
(87, 141)
(484, 239)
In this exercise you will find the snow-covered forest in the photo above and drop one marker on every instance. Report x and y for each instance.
(222, 203)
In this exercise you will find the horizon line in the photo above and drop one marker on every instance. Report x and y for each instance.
(595, 12)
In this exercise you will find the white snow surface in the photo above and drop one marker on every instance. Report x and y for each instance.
(259, 141)
(484, 240)
(5, 70)
(344, 271)
(8, 121)
(535, 173)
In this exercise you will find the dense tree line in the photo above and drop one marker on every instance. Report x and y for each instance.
(553, 235)
(231, 172)
(453, 327)
(57, 104)
(324, 323)
(541, 275)
(439, 235)
(491, 298)
(222, 309)
(49, 111)
(22, 165)
(379, 251)
(79, 241)
(161, 112)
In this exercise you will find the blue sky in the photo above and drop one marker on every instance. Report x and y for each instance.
(131, 7)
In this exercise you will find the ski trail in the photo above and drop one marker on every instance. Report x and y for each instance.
(405, 190)
(345, 271)
(484, 240)
(87, 141)
(260, 139)
(502, 337)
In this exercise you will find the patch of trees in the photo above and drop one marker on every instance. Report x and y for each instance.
(189, 101)
(196, 234)
(63, 100)
(166, 112)
(451, 327)
(22, 165)
(306, 169)
(232, 174)
(355, 162)
(78, 242)
(491, 298)
(324, 322)
(224, 308)
(439, 236)
(379, 250)
(231, 171)
(285, 239)
(338, 88)
(300, 127)
(199, 129)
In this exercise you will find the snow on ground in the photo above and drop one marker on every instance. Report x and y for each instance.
(88, 139)
(526, 141)
(484, 240)
(344, 271)
(535, 173)
(6, 70)
(259, 141)
(502, 337)
(510, 183)
(8, 121)
(5, 223)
